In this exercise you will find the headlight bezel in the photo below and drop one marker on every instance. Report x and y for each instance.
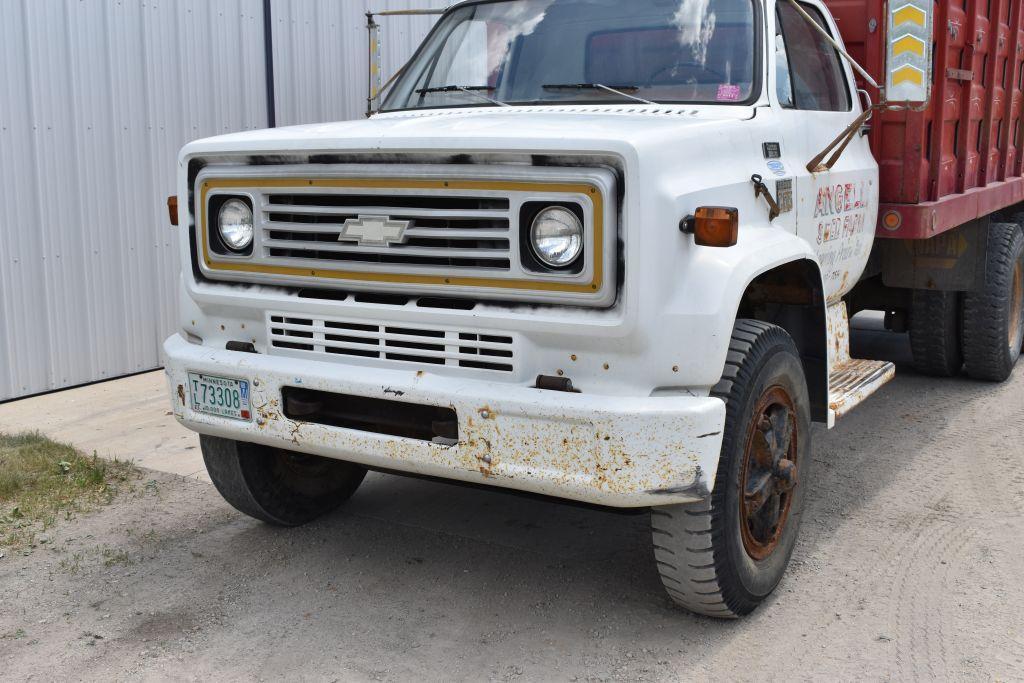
(219, 242)
(531, 257)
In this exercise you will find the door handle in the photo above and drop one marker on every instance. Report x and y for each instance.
(761, 190)
(865, 127)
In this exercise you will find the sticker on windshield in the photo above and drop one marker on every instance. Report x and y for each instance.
(728, 93)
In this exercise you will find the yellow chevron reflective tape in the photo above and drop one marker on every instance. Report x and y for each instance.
(909, 51)
(908, 44)
(909, 14)
(907, 74)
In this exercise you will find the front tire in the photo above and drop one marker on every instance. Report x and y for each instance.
(278, 486)
(722, 557)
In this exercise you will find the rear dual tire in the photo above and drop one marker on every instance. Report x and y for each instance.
(935, 332)
(982, 330)
(993, 316)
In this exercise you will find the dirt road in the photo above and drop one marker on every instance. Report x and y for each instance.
(909, 567)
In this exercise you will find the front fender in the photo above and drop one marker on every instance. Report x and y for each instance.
(711, 286)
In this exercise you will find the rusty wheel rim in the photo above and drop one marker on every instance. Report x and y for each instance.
(1017, 306)
(768, 475)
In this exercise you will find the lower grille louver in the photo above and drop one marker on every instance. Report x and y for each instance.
(331, 337)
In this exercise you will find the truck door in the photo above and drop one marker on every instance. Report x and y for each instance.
(816, 100)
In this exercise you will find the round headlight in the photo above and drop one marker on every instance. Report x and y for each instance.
(234, 220)
(557, 237)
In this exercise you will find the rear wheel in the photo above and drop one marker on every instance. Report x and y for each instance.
(993, 316)
(278, 486)
(722, 557)
(935, 332)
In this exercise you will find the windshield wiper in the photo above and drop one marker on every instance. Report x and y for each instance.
(468, 89)
(618, 90)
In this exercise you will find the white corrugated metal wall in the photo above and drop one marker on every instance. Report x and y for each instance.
(321, 44)
(96, 99)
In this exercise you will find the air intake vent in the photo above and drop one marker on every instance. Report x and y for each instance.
(448, 232)
(330, 338)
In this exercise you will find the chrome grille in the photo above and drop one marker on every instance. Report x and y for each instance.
(455, 231)
(450, 232)
(332, 337)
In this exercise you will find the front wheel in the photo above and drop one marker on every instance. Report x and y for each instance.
(278, 486)
(722, 557)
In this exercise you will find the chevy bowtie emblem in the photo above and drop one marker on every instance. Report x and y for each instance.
(374, 231)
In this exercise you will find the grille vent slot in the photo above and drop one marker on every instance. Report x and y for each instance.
(329, 338)
(444, 231)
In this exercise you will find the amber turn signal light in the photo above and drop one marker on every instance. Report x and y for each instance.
(172, 209)
(713, 226)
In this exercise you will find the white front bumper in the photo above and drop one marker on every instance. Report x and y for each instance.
(606, 450)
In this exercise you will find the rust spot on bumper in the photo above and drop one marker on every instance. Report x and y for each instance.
(698, 488)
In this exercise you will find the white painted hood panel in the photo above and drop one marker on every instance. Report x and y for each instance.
(527, 129)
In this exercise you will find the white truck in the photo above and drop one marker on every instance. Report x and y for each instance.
(577, 253)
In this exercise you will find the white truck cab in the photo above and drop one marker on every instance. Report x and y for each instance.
(577, 253)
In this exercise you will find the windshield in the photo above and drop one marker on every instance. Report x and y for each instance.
(608, 51)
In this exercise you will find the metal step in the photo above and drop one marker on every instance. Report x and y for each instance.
(852, 382)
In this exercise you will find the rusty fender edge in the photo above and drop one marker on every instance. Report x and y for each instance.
(615, 451)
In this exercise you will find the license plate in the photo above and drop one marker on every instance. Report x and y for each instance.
(221, 396)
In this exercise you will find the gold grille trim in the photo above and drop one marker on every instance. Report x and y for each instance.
(584, 188)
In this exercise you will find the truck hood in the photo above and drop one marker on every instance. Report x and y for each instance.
(623, 129)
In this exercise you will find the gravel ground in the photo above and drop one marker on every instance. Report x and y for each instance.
(909, 566)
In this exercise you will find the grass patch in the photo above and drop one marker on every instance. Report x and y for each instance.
(112, 557)
(41, 480)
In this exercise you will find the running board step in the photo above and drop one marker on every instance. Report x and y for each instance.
(850, 383)
(850, 380)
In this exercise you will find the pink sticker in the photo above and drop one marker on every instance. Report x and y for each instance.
(728, 93)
